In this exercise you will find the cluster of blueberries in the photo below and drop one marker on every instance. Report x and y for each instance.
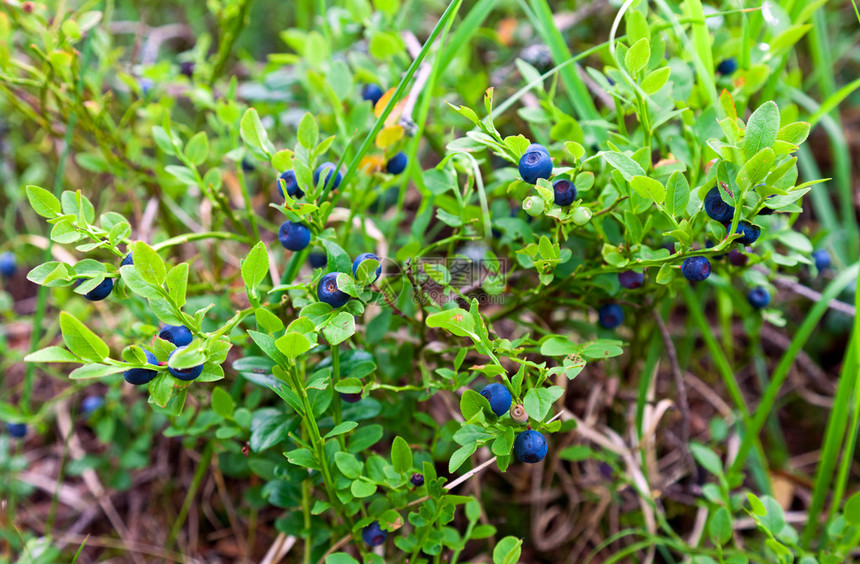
(536, 163)
(529, 446)
(180, 336)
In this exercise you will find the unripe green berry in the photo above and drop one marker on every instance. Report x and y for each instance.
(581, 216)
(533, 206)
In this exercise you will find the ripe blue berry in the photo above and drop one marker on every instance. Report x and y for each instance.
(822, 259)
(332, 177)
(749, 232)
(758, 297)
(397, 163)
(186, 374)
(373, 534)
(318, 260)
(247, 166)
(146, 86)
(7, 264)
(140, 376)
(350, 398)
(294, 236)
(535, 163)
(696, 269)
(530, 446)
(564, 192)
(417, 480)
(328, 292)
(179, 335)
(737, 258)
(91, 403)
(610, 316)
(727, 66)
(288, 179)
(371, 93)
(101, 291)
(537, 147)
(499, 398)
(363, 257)
(716, 208)
(16, 430)
(128, 260)
(631, 279)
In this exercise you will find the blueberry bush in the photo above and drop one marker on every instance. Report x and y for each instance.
(361, 281)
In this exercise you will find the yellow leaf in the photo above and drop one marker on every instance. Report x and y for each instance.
(389, 136)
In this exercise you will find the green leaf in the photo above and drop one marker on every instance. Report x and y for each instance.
(80, 340)
(665, 275)
(43, 202)
(852, 509)
(637, 56)
(362, 488)
(302, 457)
(457, 321)
(623, 164)
(720, 526)
(137, 284)
(677, 194)
(182, 173)
(656, 80)
(794, 133)
(559, 345)
(222, 403)
(161, 389)
(177, 283)
(308, 132)
(96, 370)
(756, 505)
(507, 551)
(538, 401)
(649, 188)
(293, 345)
(340, 558)
(51, 354)
(268, 321)
(460, 456)
(149, 264)
(255, 266)
(762, 129)
(197, 148)
(707, 458)
(401, 455)
(340, 328)
(755, 169)
(348, 465)
(254, 134)
(472, 403)
(365, 437)
(344, 427)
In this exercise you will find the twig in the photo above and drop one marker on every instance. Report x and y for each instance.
(807, 292)
(683, 403)
(91, 479)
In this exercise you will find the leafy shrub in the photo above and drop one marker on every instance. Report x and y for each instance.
(496, 255)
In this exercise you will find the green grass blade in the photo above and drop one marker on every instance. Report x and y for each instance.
(833, 101)
(400, 91)
(847, 392)
(803, 332)
(580, 99)
(465, 31)
(694, 308)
